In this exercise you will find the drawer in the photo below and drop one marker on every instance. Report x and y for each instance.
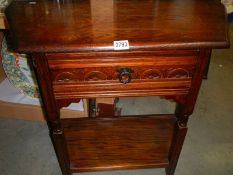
(106, 74)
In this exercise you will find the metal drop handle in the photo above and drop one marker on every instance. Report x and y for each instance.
(125, 75)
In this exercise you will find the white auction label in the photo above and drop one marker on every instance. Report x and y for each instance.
(121, 45)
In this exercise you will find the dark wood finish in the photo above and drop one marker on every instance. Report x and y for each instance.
(66, 103)
(184, 110)
(154, 73)
(71, 44)
(106, 110)
(52, 111)
(177, 143)
(78, 25)
(207, 68)
(118, 143)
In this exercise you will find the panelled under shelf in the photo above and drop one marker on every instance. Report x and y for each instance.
(118, 143)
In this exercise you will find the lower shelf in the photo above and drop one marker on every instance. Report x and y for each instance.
(118, 143)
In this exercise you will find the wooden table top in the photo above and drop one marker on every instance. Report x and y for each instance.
(91, 25)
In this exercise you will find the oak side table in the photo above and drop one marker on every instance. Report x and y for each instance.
(116, 48)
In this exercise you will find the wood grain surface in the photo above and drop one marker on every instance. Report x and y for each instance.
(71, 43)
(118, 143)
(88, 25)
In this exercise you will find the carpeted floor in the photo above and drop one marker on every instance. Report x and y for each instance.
(26, 149)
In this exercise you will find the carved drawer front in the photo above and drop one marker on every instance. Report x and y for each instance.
(105, 74)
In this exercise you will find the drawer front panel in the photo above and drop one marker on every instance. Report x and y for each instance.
(83, 77)
(109, 74)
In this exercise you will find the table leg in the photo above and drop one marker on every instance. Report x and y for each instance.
(184, 110)
(178, 139)
(92, 107)
(207, 68)
(60, 147)
(52, 111)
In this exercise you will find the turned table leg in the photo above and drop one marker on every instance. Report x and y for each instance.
(92, 107)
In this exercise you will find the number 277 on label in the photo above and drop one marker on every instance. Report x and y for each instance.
(121, 45)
